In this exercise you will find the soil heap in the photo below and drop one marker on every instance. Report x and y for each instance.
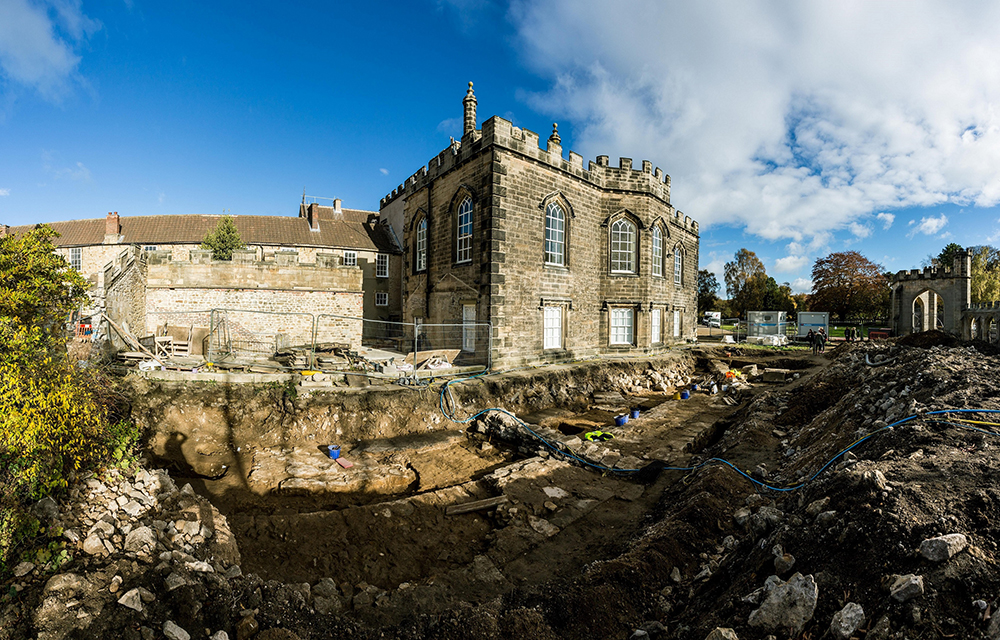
(894, 538)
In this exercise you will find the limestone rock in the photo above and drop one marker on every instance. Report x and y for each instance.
(174, 632)
(543, 526)
(906, 587)
(219, 635)
(788, 604)
(326, 588)
(23, 569)
(140, 540)
(817, 507)
(720, 633)
(944, 547)
(327, 606)
(132, 600)
(847, 621)
(93, 545)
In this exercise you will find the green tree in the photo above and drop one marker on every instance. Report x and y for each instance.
(777, 297)
(985, 274)
(708, 291)
(849, 286)
(223, 240)
(55, 415)
(38, 291)
(947, 256)
(746, 281)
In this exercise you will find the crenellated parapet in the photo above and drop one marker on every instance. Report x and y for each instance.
(984, 306)
(502, 134)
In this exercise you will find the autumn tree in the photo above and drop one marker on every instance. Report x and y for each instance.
(849, 285)
(55, 415)
(985, 274)
(223, 239)
(708, 290)
(746, 282)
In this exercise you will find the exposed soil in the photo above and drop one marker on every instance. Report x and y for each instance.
(572, 551)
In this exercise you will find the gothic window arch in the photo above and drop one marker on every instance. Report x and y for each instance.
(420, 244)
(463, 235)
(678, 265)
(624, 238)
(656, 250)
(555, 235)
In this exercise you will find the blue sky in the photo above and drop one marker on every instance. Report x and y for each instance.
(791, 129)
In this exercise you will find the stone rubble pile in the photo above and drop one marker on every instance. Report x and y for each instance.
(861, 514)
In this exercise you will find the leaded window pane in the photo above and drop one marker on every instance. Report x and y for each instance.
(464, 248)
(622, 247)
(555, 235)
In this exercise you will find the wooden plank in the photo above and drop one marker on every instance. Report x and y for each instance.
(129, 337)
(478, 505)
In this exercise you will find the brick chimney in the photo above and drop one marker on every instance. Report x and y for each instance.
(312, 215)
(469, 122)
(112, 228)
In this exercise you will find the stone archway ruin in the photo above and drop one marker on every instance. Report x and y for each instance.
(934, 298)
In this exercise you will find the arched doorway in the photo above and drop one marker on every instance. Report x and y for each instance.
(918, 315)
(993, 336)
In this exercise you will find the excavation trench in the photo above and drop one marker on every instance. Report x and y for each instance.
(383, 525)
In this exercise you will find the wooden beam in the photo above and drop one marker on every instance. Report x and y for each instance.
(478, 505)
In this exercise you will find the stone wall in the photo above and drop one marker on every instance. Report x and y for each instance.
(125, 294)
(265, 299)
(511, 180)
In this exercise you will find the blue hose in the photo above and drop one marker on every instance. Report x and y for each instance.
(754, 481)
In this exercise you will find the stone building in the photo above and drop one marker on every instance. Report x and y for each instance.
(356, 237)
(256, 306)
(563, 260)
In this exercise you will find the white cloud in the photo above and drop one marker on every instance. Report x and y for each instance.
(4, 192)
(859, 230)
(790, 264)
(789, 119)
(802, 285)
(384, 172)
(161, 197)
(886, 219)
(929, 225)
(38, 41)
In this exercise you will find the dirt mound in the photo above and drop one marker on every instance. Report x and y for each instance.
(928, 339)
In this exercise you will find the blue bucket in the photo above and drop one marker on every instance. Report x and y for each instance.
(685, 395)
(694, 387)
(333, 451)
(635, 414)
(621, 420)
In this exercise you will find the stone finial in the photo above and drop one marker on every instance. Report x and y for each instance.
(554, 138)
(469, 122)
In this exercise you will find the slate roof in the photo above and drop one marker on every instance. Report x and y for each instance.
(352, 230)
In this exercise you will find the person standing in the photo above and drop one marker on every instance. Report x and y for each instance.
(811, 339)
(821, 340)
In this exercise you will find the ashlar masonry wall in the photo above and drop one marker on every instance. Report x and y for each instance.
(511, 180)
(264, 299)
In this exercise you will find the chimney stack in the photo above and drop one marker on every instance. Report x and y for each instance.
(312, 215)
(112, 228)
(336, 207)
(469, 124)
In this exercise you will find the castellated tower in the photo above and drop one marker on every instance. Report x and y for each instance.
(560, 259)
